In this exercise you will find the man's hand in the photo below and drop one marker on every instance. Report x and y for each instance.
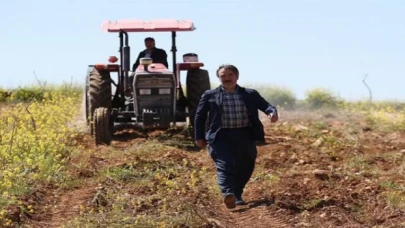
(201, 143)
(273, 117)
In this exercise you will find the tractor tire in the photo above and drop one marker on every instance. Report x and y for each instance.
(197, 82)
(99, 93)
(102, 126)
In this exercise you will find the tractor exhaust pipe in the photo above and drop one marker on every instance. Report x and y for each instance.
(126, 65)
(125, 59)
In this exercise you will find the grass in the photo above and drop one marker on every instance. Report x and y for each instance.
(324, 154)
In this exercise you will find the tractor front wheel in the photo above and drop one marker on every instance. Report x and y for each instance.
(102, 126)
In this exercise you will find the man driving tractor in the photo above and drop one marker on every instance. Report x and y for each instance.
(158, 55)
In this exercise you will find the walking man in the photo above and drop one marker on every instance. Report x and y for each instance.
(233, 128)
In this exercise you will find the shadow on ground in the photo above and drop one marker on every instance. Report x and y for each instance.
(177, 137)
(125, 136)
(255, 203)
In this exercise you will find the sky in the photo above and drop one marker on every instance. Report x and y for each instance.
(301, 44)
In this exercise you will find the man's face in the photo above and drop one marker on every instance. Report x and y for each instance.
(228, 78)
(149, 44)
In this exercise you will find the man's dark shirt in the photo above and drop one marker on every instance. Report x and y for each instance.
(158, 55)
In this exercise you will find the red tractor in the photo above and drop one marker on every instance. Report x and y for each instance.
(149, 97)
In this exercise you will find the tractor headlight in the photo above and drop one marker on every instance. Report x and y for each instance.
(145, 91)
(164, 91)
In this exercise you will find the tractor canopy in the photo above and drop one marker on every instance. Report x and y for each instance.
(148, 26)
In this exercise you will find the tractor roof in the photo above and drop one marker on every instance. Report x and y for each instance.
(148, 26)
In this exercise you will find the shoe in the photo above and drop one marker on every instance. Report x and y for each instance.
(240, 201)
(230, 201)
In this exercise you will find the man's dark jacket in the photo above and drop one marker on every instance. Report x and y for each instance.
(158, 55)
(211, 102)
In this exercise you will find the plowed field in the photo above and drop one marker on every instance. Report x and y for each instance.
(317, 169)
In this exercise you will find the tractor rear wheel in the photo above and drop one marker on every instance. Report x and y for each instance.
(102, 126)
(197, 82)
(99, 93)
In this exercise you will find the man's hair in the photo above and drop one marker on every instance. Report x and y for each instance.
(149, 39)
(228, 67)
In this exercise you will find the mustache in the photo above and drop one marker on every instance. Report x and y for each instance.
(228, 81)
